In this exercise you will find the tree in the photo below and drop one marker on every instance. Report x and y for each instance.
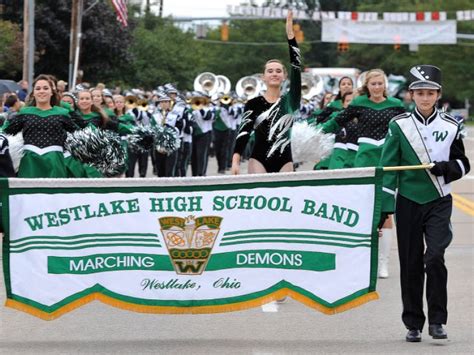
(163, 53)
(11, 57)
(104, 51)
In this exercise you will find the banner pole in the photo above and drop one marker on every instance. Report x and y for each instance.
(408, 167)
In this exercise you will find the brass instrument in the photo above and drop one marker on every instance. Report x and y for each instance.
(142, 104)
(224, 84)
(130, 102)
(206, 82)
(199, 102)
(248, 87)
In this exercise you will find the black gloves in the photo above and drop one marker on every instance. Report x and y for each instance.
(383, 217)
(440, 168)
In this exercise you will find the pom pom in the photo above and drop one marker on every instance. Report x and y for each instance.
(166, 139)
(101, 149)
(141, 139)
(309, 143)
(15, 145)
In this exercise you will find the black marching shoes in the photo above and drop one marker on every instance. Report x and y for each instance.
(437, 331)
(413, 336)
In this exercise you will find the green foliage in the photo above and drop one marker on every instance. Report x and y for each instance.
(11, 55)
(452, 59)
(163, 53)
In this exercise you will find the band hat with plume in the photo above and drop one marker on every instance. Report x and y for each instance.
(425, 77)
(170, 89)
(162, 97)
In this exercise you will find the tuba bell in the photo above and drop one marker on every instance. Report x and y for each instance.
(224, 84)
(206, 82)
(130, 101)
(248, 87)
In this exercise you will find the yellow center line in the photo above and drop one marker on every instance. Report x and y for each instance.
(464, 204)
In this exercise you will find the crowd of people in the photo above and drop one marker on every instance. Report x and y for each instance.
(371, 128)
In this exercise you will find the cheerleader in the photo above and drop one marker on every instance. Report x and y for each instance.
(271, 116)
(93, 114)
(44, 126)
(373, 110)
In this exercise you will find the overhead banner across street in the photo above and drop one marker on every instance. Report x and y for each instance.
(195, 245)
(386, 32)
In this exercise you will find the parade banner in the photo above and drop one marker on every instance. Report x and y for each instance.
(386, 32)
(191, 245)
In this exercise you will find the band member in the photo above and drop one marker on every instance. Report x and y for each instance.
(271, 116)
(222, 132)
(423, 202)
(202, 133)
(165, 164)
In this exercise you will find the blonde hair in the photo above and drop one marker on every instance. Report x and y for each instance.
(364, 90)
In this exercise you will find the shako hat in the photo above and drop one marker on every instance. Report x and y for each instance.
(425, 77)
(162, 97)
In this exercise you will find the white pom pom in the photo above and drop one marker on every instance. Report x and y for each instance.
(309, 143)
(15, 145)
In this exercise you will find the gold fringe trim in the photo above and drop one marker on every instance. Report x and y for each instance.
(191, 310)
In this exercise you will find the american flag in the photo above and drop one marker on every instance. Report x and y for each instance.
(121, 9)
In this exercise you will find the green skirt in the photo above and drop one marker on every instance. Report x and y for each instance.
(338, 158)
(48, 165)
(76, 169)
(350, 157)
(368, 155)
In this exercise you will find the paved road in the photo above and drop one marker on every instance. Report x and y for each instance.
(289, 328)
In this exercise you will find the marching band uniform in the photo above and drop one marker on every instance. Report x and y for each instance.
(236, 111)
(261, 117)
(423, 203)
(202, 128)
(185, 150)
(142, 118)
(222, 133)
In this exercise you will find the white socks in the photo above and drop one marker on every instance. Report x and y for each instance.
(385, 242)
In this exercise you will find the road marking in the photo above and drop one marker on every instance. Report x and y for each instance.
(270, 307)
(464, 204)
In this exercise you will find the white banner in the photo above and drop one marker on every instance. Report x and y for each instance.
(192, 245)
(385, 32)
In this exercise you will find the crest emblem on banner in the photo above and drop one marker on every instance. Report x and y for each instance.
(190, 241)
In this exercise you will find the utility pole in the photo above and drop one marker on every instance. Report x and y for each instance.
(28, 41)
(75, 41)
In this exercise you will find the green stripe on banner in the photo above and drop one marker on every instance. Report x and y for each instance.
(270, 259)
(316, 231)
(5, 221)
(98, 245)
(295, 236)
(91, 264)
(363, 244)
(273, 259)
(95, 235)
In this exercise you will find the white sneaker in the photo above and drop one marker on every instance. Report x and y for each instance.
(383, 270)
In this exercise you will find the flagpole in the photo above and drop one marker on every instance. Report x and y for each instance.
(408, 167)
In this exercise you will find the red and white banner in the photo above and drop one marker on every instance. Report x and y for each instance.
(377, 32)
(420, 16)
